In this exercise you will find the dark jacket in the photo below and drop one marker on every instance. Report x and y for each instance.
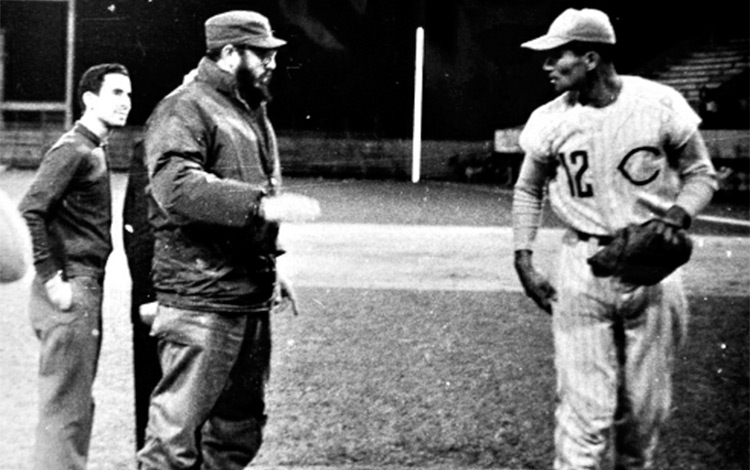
(210, 159)
(68, 207)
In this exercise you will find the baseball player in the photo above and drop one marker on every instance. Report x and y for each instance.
(609, 151)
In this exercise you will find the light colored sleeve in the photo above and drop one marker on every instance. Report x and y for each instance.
(15, 242)
(681, 120)
(688, 153)
(697, 174)
(528, 199)
(530, 189)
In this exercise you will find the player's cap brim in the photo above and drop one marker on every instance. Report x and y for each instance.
(546, 42)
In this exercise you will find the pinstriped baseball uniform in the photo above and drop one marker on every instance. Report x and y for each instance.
(604, 168)
(610, 166)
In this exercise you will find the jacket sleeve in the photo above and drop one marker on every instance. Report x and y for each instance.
(54, 175)
(177, 152)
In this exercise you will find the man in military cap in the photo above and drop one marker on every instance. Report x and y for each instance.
(215, 205)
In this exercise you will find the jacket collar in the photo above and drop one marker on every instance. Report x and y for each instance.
(225, 82)
(220, 79)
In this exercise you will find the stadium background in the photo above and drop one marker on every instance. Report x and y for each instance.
(416, 347)
(348, 69)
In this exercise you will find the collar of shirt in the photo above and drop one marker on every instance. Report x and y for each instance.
(80, 128)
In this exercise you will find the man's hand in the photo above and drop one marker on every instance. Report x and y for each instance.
(670, 226)
(535, 284)
(286, 297)
(288, 207)
(147, 312)
(59, 292)
(644, 254)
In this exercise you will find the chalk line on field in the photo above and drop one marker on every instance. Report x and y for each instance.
(724, 220)
(467, 258)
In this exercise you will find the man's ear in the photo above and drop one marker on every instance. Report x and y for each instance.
(227, 50)
(593, 59)
(88, 99)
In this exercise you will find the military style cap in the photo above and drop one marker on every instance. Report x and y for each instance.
(586, 25)
(241, 28)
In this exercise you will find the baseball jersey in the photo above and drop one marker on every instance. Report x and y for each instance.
(611, 166)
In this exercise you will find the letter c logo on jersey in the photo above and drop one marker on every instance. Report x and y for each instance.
(641, 165)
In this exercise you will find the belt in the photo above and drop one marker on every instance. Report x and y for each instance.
(600, 239)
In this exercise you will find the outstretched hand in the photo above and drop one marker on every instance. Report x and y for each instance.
(534, 283)
(289, 207)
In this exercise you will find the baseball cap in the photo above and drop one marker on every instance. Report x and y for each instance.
(241, 27)
(585, 25)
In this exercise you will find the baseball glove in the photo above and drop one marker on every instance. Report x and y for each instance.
(644, 254)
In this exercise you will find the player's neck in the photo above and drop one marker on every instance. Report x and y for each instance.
(95, 125)
(602, 90)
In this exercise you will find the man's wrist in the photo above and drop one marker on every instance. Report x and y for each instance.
(678, 216)
(47, 270)
(523, 258)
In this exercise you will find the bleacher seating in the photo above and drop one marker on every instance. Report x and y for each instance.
(713, 76)
(705, 66)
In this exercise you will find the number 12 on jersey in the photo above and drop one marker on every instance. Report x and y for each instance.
(576, 163)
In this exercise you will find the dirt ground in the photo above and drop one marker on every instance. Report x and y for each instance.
(422, 262)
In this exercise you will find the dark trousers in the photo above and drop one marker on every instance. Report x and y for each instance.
(208, 410)
(146, 371)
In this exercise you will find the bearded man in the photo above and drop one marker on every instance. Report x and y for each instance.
(215, 204)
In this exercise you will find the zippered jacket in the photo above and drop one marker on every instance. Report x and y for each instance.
(211, 158)
(68, 207)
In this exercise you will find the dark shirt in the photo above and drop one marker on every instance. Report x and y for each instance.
(68, 207)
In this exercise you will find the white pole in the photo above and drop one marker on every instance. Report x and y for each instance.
(70, 63)
(417, 134)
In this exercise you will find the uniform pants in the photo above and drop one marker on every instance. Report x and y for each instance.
(208, 410)
(614, 352)
(70, 344)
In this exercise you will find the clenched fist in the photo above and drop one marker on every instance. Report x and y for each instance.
(534, 283)
(59, 292)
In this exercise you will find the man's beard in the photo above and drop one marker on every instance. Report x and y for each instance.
(252, 89)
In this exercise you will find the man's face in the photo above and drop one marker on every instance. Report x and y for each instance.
(112, 105)
(254, 75)
(566, 70)
(256, 68)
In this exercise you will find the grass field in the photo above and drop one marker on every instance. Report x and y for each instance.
(415, 347)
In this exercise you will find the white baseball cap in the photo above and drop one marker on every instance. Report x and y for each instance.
(586, 25)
